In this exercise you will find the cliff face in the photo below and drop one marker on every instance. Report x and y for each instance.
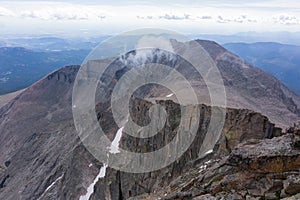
(257, 169)
(240, 125)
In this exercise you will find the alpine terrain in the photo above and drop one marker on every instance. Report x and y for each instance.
(257, 155)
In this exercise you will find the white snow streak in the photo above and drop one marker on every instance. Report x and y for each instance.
(90, 189)
(170, 95)
(52, 184)
(114, 147)
(209, 151)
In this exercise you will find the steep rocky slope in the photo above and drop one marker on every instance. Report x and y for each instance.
(257, 169)
(39, 142)
(46, 159)
(246, 86)
(4, 99)
(43, 158)
(249, 87)
(280, 60)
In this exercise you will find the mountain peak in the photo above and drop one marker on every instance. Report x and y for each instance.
(42, 156)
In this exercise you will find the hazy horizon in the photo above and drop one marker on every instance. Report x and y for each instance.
(108, 18)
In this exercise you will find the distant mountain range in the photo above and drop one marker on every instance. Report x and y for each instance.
(280, 60)
(51, 43)
(20, 67)
(253, 37)
(24, 60)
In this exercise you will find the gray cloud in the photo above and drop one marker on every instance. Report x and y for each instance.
(252, 20)
(222, 20)
(205, 17)
(145, 17)
(286, 20)
(240, 19)
(166, 16)
(175, 17)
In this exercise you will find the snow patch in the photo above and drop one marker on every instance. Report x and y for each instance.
(245, 66)
(209, 151)
(102, 171)
(170, 95)
(208, 162)
(204, 167)
(90, 189)
(114, 147)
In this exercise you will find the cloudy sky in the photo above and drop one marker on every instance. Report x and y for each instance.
(113, 16)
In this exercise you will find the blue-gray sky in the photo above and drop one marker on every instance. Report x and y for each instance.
(109, 17)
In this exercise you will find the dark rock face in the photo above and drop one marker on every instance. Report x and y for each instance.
(262, 169)
(281, 157)
(240, 126)
(43, 158)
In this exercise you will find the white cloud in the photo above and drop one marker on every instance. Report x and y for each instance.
(63, 13)
(6, 12)
(158, 42)
(207, 16)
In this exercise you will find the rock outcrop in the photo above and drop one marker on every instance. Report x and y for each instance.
(256, 169)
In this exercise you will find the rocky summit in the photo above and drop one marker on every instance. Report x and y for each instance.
(257, 155)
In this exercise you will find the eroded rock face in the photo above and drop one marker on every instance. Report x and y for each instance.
(240, 126)
(260, 169)
(269, 156)
(294, 129)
